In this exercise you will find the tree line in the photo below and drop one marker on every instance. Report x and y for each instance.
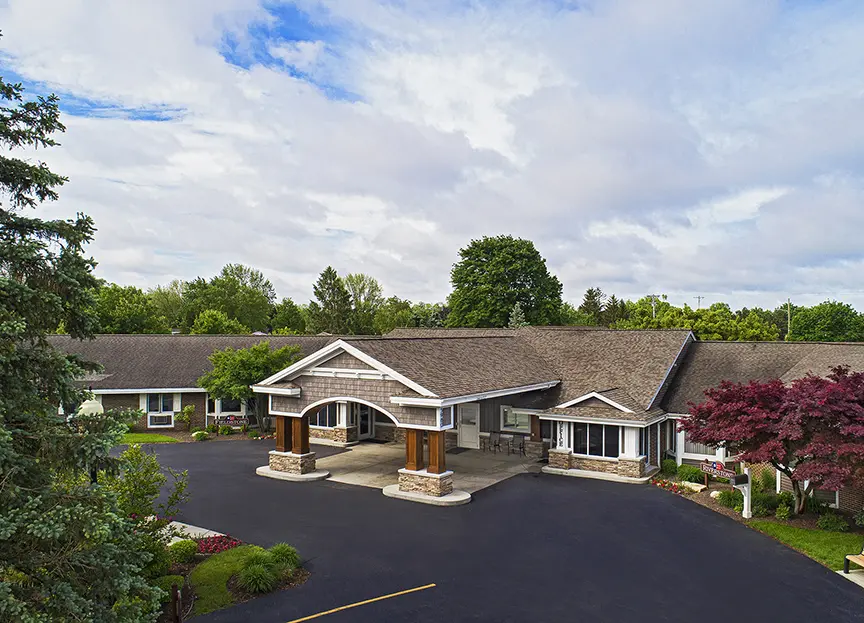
(498, 282)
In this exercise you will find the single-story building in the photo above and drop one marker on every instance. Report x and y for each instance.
(159, 373)
(597, 402)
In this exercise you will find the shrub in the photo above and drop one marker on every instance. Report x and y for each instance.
(212, 428)
(257, 578)
(812, 505)
(787, 498)
(765, 481)
(760, 509)
(200, 435)
(165, 582)
(739, 508)
(832, 522)
(259, 556)
(183, 551)
(160, 562)
(184, 417)
(216, 544)
(689, 473)
(195, 429)
(226, 430)
(668, 467)
(730, 499)
(784, 511)
(769, 500)
(253, 434)
(859, 518)
(286, 555)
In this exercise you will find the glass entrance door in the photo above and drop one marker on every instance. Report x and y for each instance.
(365, 422)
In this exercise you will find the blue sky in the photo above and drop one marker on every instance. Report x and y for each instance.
(710, 148)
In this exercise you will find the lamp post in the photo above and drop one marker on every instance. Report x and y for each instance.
(91, 407)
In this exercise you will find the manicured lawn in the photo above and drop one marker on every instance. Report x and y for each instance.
(147, 438)
(210, 578)
(829, 548)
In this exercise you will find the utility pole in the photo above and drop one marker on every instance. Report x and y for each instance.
(788, 318)
(653, 306)
(698, 301)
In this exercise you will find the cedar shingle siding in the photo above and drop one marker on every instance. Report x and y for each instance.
(315, 388)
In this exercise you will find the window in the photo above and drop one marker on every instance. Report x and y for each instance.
(160, 403)
(515, 421)
(231, 406)
(580, 438)
(596, 439)
(324, 417)
(546, 429)
(826, 496)
(211, 405)
(160, 410)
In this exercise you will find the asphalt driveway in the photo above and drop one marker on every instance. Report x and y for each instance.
(532, 548)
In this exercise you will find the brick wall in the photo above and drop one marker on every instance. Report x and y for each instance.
(125, 401)
(199, 401)
(377, 392)
(652, 443)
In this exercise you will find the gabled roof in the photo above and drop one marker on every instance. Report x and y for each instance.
(708, 363)
(460, 366)
(636, 364)
(162, 360)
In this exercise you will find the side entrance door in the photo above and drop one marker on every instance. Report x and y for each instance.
(365, 422)
(469, 425)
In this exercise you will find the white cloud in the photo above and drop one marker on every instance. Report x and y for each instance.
(698, 149)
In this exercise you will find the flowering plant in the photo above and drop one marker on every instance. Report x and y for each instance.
(216, 544)
(670, 485)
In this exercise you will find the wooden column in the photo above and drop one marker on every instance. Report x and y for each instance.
(283, 434)
(300, 435)
(413, 449)
(436, 452)
(536, 435)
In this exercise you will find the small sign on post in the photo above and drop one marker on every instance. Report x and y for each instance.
(716, 468)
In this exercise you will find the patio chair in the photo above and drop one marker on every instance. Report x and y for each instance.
(494, 441)
(517, 445)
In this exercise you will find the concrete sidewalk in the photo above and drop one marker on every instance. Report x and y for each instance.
(377, 465)
(189, 531)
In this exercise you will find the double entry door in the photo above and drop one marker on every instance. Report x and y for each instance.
(365, 422)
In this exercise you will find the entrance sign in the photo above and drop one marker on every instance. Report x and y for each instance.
(716, 468)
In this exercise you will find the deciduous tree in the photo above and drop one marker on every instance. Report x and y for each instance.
(365, 294)
(168, 301)
(215, 322)
(831, 321)
(127, 310)
(287, 318)
(492, 275)
(236, 370)
(810, 430)
(393, 313)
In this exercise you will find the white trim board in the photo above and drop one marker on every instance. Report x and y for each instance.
(327, 353)
(152, 390)
(552, 417)
(276, 391)
(598, 396)
(447, 402)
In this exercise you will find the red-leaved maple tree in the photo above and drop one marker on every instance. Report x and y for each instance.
(811, 430)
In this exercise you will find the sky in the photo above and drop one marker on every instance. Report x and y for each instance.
(693, 148)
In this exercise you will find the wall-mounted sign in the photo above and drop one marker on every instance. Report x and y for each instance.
(716, 468)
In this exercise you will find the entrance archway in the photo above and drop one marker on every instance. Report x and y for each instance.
(345, 420)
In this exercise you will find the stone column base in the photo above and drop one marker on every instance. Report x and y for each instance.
(559, 459)
(536, 450)
(421, 481)
(631, 468)
(292, 463)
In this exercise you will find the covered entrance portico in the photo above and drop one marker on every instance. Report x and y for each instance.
(351, 390)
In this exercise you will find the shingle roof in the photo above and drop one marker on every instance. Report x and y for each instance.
(708, 363)
(459, 366)
(635, 363)
(605, 412)
(404, 332)
(164, 361)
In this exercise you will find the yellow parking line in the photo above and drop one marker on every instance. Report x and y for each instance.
(363, 603)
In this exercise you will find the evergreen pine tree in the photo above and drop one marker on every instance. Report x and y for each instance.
(67, 552)
(332, 311)
(517, 317)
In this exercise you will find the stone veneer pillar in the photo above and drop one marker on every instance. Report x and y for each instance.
(300, 459)
(559, 458)
(423, 481)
